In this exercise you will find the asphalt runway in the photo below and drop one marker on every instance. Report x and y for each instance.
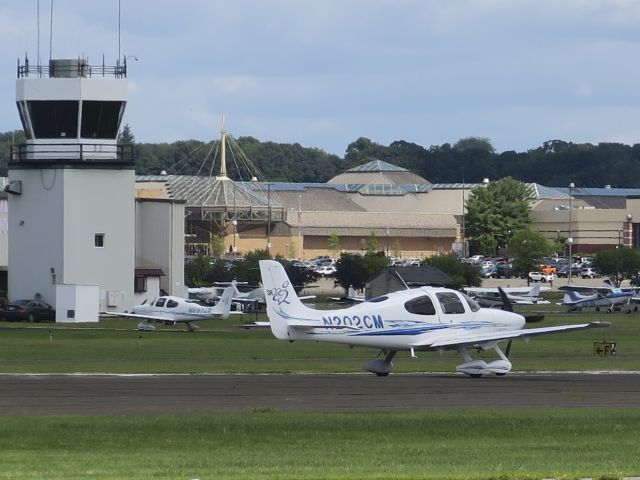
(167, 394)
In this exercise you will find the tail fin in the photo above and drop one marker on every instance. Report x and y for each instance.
(535, 291)
(282, 301)
(351, 292)
(570, 298)
(223, 307)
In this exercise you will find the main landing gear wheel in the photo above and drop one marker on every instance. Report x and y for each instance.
(382, 368)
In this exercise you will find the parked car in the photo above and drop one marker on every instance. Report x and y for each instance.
(504, 270)
(540, 277)
(489, 272)
(28, 310)
(326, 270)
(563, 271)
(589, 272)
(548, 269)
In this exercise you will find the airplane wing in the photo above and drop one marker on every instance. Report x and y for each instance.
(585, 288)
(249, 326)
(514, 290)
(470, 340)
(525, 301)
(150, 318)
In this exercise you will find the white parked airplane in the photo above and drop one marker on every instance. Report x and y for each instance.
(490, 297)
(172, 310)
(419, 319)
(253, 297)
(352, 297)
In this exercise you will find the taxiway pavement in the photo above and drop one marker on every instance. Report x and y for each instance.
(166, 394)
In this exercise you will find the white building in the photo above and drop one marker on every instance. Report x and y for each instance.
(71, 191)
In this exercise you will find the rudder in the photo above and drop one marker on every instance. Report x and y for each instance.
(282, 300)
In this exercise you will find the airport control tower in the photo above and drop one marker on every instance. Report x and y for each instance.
(71, 191)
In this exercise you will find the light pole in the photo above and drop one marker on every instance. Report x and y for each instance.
(235, 234)
(464, 240)
(269, 217)
(570, 239)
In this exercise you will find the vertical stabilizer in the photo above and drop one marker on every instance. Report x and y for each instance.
(282, 301)
(223, 307)
(535, 291)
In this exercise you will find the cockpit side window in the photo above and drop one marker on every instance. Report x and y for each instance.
(160, 302)
(450, 303)
(172, 303)
(420, 306)
(473, 306)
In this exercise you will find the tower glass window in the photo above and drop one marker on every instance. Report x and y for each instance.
(99, 240)
(100, 119)
(54, 119)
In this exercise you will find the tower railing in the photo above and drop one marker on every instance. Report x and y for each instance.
(74, 69)
(76, 153)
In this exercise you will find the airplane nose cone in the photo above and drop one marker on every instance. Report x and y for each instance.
(509, 318)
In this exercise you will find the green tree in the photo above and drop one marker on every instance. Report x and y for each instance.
(249, 269)
(354, 270)
(618, 263)
(463, 274)
(482, 144)
(126, 136)
(196, 271)
(495, 212)
(527, 247)
(372, 244)
(334, 244)
(217, 245)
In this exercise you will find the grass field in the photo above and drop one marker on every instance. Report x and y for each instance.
(271, 445)
(114, 346)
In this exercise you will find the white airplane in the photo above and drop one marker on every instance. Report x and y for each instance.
(578, 297)
(419, 319)
(352, 297)
(490, 297)
(172, 310)
(254, 297)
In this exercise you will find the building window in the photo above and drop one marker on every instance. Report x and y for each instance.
(99, 240)
(140, 284)
(54, 118)
(100, 119)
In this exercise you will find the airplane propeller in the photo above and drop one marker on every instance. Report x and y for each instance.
(506, 306)
(508, 349)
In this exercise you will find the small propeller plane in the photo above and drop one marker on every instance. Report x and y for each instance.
(419, 319)
(251, 299)
(171, 310)
(490, 297)
(578, 297)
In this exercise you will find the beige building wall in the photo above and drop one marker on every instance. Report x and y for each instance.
(591, 229)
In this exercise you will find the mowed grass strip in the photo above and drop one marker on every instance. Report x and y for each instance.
(272, 445)
(116, 347)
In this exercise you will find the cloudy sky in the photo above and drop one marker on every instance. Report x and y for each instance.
(323, 73)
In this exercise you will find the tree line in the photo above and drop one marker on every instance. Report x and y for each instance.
(554, 163)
